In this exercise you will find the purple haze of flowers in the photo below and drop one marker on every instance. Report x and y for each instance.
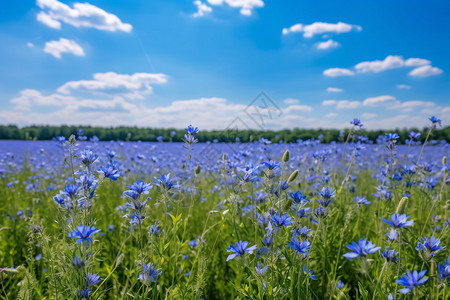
(399, 221)
(240, 248)
(84, 233)
(360, 249)
(410, 281)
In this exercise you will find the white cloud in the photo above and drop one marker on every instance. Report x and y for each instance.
(342, 104)
(403, 86)
(425, 71)
(424, 68)
(81, 15)
(320, 28)
(291, 101)
(202, 9)
(55, 48)
(335, 72)
(331, 115)
(133, 86)
(29, 98)
(246, 6)
(347, 104)
(29, 44)
(296, 107)
(334, 90)
(329, 102)
(369, 115)
(381, 101)
(327, 45)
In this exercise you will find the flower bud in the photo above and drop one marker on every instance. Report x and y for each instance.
(444, 160)
(401, 204)
(286, 156)
(224, 156)
(197, 170)
(72, 139)
(293, 176)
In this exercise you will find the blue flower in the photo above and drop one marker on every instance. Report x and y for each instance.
(271, 164)
(339, 285)
(429, 247)
(390, 255)
(84, 233)
(239, 249)
(140, 187)
(356, 122)
(282, 220)
(309, 273)
(414, 135)
(88, 157)
(361, 249)
(326, 193)
(78, 262)
(444, 271)
(150, 274)
(392, 137)
(83, 294)
(299, 247)
(110, 171)
(165, 182)
(190, 135)
(399, 221)
(435, 121)
(298, 197)
(192, 130)
(410, 281)
(92, 279)
(392, 235)
(303, 231)
(260, 271)
(361, 200)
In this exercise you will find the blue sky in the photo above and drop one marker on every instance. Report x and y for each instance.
(171, 63)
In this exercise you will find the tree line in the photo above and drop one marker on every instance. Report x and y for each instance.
(124, 133)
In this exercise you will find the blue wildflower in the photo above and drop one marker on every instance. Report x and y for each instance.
(444, 271)
(399, 221)
(392, 235)
(390, 255)
(150, 274)
(239, 249)
(435, 121)
(429, 247)
(260, 271)
(282, 220)
(78, 262)
(363, 248)
(84, 233)
(165, 182)
(410, 281)
(88, 157)
(361, 200)
(299, 247)
(356, 122)
(140, 187)
(339, 285)
(110, 171)
(92, 279)
(83, 294)
(309, 273)
(298, 197)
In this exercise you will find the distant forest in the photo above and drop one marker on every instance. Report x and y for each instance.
(12, 132)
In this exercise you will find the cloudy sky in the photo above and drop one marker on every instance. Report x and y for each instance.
(174, 62)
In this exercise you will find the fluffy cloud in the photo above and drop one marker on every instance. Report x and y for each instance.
(336, 72)
(342, 104)
(381, 101)
(403, 86)
(320, 28)
(291, 101)
(390, 62)
(423, 67)
(81, 15)
(55, 48)
(133, 86)
(246, 6)
(334, 90)
(29, 44)
(327, 45)
(369, 115)
(202, 9)
(425, 71)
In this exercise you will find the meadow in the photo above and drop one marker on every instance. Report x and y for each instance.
(89, 219)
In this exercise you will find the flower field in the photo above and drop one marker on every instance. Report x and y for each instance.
(354, 219)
